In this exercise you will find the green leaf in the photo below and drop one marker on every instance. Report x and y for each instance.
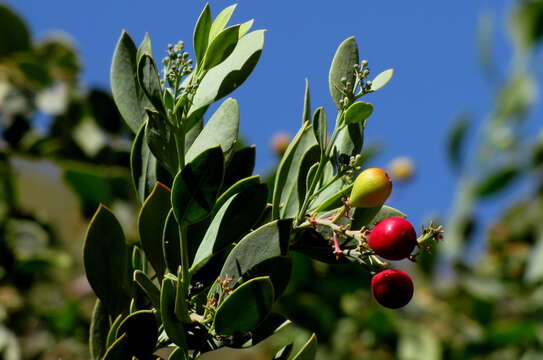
(271, 325)
(233, 220)
(222, 129)
(382, 79)
(298, 192)
(245, 27)
(118, 350)
(309, 350)
(363, 216)
(15, 35)
(384, 213)
(456, 140)
(173, 327)
(311, 173)
(306, 115)
(311, 243)
(107, 261)
(112, 333)
(236, 188)
(255, 297)
(149, 81)
(221, 21)
(127, 94)
(148, 288)
(99, 327)
(358, 112)
(284, 352)
(497, 181)
(151, 220)
(171, 244)
(241, 166)
(178, 354)
(181, 309)
(286, 179)
(278, 269)
(350, 140)
(143, 165)
(161, 140)
(141, 330)
(144, 48)
(221, 47)
(335, 200)
(267, 241)
(195, 188)
(342, 67)
(201, 34)
(320, 127)
(231, 73)
(525, 24)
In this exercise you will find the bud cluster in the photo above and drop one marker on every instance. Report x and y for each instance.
(176, 64)
(362, 72)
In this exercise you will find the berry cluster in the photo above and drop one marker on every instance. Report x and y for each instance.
(392, 239)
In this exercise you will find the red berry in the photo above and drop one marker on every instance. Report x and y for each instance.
(392, 288)
(393, 238)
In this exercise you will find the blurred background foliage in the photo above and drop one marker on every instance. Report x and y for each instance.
(64, 150)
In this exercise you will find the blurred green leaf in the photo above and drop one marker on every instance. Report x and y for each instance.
(255, 297)
(358, 112)
(125, 88)
(456, 140)
(195, 188)
(342, 68)
(107, 261)
(151, 223)
(284, 352)
(221, 129)
(526, 23)
(16, 37)
(497, 181)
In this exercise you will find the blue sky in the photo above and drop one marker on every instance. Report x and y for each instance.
(430, 44)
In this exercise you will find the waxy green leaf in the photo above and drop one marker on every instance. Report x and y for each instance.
(99, 327)
(127, 93)
(201, 34)
(151, 223)
(286, 179)
(255, 297)
(106, 259)
(342, 68)
(221, 47)
(308, 351)
(230, 74)
(245, 27)
(278, 269)
(350, 140)
(195, 188)
(221, 129)
(266, 242)
(306, 114)
(141, 330)
(171, 244)
(173, 327)
(241, 165)
(148, 287)
(221, 21)
(236, 188)
(160, 136)
(320, 127)
(149, 81)
(144, 48)
(233, 220)
(382, 79)
(118, 350)
(358, 112)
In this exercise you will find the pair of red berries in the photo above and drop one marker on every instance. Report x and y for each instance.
(393, 239)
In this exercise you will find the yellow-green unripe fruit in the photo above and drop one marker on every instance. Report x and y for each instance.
(371, 188)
